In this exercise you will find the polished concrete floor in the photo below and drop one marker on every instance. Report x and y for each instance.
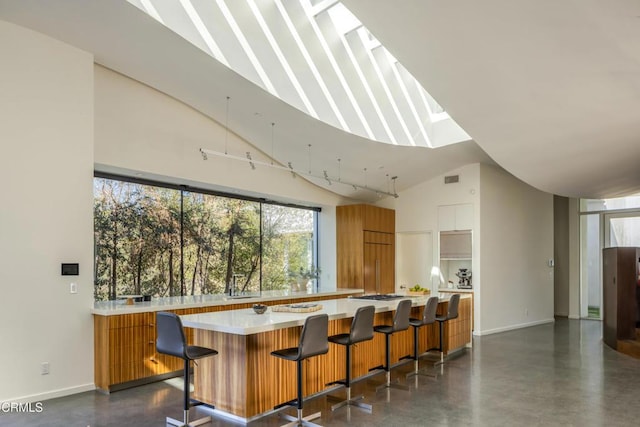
(557, 374)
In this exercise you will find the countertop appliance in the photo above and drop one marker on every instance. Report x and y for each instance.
(464, 278)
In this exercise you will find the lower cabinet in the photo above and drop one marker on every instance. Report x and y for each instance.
(125, 347)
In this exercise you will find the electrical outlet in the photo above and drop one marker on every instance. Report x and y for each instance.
(73, 288)
(44, 368)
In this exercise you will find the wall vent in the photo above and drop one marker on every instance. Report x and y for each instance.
(452, 179)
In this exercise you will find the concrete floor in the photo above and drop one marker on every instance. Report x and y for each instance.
(551, 375)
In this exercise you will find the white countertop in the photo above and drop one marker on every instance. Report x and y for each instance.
(247, 322)
(110, 308)
(456, 290)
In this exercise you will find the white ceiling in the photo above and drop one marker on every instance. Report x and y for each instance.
(549, 89)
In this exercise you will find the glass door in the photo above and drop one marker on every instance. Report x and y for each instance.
(590, 266)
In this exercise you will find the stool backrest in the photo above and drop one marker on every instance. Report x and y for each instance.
(362, 325)
(429, 313)
(171, 339)
(314, 338)
(401, 318)
(452, 312)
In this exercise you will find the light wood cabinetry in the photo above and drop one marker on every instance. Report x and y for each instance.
(246, 381)
(125, 346)
(366, 248)
(123, 352)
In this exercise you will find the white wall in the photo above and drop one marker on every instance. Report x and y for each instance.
(417, 211)
(46, 167)
(516, 222)
(140, 131)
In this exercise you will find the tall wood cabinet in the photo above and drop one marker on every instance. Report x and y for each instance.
(620, 274)
(366, 248)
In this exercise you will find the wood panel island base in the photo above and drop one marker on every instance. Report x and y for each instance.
(246, 382)
(124, 335)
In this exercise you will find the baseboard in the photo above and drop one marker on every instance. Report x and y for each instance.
(53, 394)
(574, 317)
(512, 327)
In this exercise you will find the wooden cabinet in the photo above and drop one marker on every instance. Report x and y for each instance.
(125, 346)
(366, 248)
(621, 275)
(378, 268)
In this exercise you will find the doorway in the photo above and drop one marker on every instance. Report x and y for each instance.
(598, 231)
(414, 259)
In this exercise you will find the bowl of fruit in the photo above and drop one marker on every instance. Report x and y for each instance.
(418, 290)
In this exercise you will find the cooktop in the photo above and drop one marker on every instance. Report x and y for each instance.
(383, 297)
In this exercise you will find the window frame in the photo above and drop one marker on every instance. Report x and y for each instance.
(194, 189)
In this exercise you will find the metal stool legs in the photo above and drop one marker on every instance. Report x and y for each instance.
(300, 420)
(187, 404)
(349, 401)
(387, 369)
(416, 369)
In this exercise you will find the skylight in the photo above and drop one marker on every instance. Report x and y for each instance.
(317, 56)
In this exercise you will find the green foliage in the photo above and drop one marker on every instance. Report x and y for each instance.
(139, 245)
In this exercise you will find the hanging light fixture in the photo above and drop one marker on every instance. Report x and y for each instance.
(205, 153)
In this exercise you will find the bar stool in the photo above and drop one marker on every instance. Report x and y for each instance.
(400, 323)
(452, 313)
(313, 342)
(171, 341)
(361, 330)
(428, 318)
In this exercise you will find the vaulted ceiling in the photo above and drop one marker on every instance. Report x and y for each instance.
(550, 90)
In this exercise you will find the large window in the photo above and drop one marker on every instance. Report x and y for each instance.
(160, 241)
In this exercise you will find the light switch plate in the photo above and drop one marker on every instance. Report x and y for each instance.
(73, 288)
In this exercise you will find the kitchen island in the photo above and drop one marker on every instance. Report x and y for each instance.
(245, 382)
(124, 335)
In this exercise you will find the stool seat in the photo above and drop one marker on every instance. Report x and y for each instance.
(384, 329)
(194, 352)
(287, 354)
(341, 339)
(415, 322)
